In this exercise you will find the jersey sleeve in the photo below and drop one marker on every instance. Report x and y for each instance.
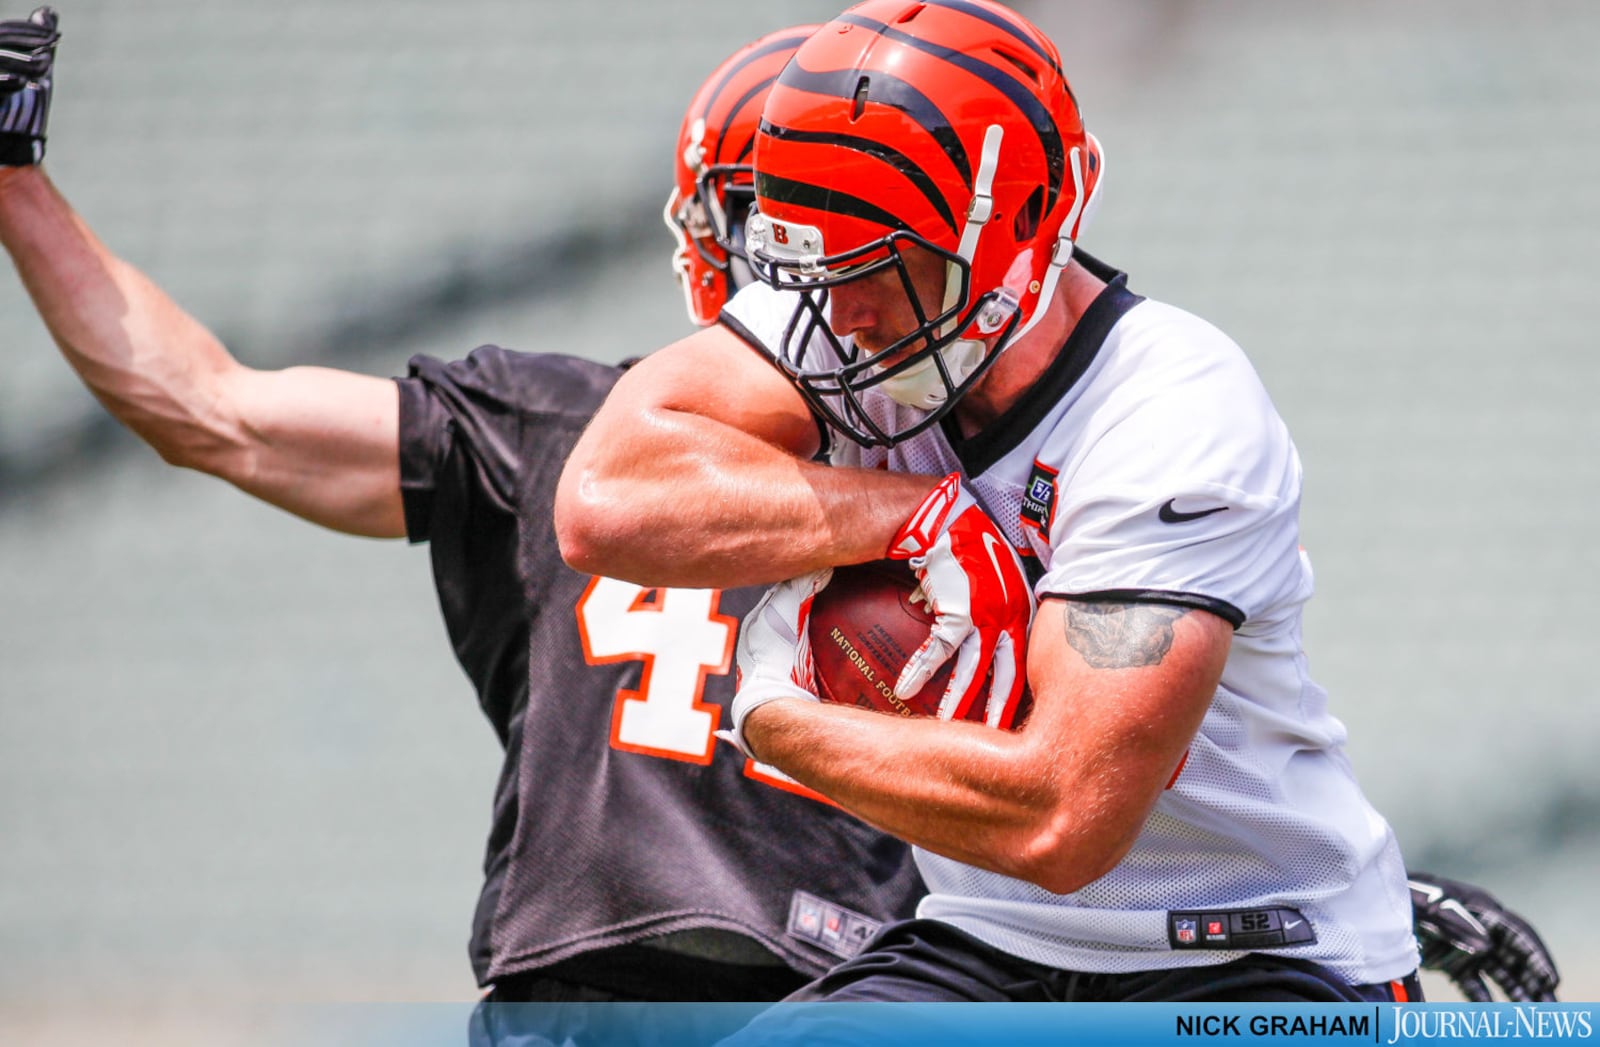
(482, 443)
(470, 427)
(1188, 498)
(425, 439)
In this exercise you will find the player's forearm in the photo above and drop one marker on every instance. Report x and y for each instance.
(150, 363)
(320, 444)
(1000, 800)
(1119, 694)
(672, 498)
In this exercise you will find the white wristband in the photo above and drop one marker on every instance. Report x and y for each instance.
(753, 695)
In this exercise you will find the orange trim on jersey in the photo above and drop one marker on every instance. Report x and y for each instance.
(1398, 988)
(650, 601)
(753, 770)
(1177, 771)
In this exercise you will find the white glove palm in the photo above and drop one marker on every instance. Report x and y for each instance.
(773, 655)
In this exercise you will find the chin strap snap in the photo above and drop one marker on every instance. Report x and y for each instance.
(1062, 253)
(979, 211)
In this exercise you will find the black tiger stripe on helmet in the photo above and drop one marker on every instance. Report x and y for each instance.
(806, 194)
(1005, 20)
(781, 44)
(883, 88)
(1001, 80)
(893, 157)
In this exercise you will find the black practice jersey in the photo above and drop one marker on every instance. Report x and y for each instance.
(617, 817)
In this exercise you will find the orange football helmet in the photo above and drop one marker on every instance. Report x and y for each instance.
(714, 185)
(947, 125)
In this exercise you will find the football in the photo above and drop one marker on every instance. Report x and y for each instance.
(865, 625)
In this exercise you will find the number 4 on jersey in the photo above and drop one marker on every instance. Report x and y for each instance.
(680, 638)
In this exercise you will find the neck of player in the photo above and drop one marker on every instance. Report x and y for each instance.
(1024, 361)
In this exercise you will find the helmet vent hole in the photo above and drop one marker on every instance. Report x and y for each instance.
(1026, 224)
(1022, 65)
(916, 9)
(860, 105)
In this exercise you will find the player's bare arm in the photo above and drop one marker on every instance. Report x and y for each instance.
(320, 443)
(1119, 691)
(682, 481)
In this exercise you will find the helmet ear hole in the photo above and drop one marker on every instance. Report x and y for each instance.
(1021, 64)
(1026, 224)
(859, 105)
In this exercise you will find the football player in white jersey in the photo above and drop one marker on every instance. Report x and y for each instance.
(939, 375)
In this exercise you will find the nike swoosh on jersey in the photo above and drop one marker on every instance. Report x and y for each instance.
(1168, 514)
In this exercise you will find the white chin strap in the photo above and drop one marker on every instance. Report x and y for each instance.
(920, 385)
(1064, 244)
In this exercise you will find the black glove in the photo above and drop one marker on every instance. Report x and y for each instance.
(1466, 933)
(27, 52)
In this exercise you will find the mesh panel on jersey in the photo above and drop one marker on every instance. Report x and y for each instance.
(1225, 837)
(1003, 500)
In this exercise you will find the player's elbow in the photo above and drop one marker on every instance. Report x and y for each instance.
(1052, 870)
(582, 546)
(588, 522)
(185, 442)
(577, 538)
(1056, 856)
(196, 425)
(1062, 874)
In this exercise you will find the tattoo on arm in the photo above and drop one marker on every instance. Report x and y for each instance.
(1121, 635)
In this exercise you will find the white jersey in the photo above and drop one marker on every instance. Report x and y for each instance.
(1148, 464)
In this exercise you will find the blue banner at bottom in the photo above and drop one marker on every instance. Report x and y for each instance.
(922, 1025)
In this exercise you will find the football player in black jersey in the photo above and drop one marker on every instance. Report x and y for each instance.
(684, 874)
(629, 857)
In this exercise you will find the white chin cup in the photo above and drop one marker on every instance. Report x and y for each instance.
(920, 386)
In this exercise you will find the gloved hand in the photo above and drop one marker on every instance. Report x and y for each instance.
(1467, 934)
(981, 601)
(27, 53)
(773, 655)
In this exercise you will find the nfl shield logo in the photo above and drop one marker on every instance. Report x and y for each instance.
(1185, 930)
(806, 916)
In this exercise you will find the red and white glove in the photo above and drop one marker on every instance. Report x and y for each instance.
(773, 655)
(981, 601)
